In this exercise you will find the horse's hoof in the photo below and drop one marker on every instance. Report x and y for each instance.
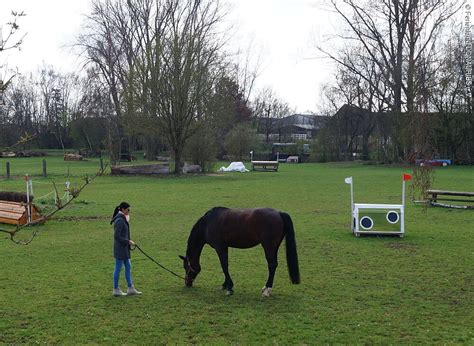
(266, 291)
(229, 292)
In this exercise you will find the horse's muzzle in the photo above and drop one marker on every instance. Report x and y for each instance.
(188, 282)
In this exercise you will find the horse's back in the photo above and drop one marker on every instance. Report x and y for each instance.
(243, 228)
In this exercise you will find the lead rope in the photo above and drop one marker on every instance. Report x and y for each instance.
(143, 252)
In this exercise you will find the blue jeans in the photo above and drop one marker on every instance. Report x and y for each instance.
(128, 272)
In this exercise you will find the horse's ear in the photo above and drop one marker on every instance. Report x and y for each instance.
(183, 258)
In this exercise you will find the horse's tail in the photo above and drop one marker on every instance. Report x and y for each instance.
(291, 254)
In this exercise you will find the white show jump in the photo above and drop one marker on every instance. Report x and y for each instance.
(363, 223)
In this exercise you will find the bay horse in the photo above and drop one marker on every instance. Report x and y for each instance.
(222, 228)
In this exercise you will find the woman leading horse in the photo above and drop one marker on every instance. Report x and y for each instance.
(222, 228)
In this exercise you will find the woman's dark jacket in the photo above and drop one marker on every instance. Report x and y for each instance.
(121, 237)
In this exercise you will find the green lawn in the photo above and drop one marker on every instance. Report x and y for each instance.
(419, 289)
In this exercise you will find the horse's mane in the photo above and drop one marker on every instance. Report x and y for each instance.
(196, 232)
(214, 212)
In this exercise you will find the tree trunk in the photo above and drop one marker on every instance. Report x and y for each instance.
(177, 161)
(365, 147)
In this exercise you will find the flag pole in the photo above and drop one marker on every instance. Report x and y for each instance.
(403, 194)
(348, 180)
(352, 197)
(405, 178)
(352, 205)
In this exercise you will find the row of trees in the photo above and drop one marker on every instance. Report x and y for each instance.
(402, 63)
(40, 104)
(72, 111)
(157, 75)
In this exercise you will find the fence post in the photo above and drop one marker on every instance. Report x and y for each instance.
(44, 168)
(101, 164)
(8, 170)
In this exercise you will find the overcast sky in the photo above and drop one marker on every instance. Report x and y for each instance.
(283, 33)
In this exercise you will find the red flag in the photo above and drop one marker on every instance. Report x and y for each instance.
(406, 177)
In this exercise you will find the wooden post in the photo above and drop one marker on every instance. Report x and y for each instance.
(44, 168)
(101, 164)
(8, 170)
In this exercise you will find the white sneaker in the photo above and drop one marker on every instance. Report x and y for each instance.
(131, 291)
(117, 292)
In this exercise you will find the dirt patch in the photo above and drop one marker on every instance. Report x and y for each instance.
(82, 218)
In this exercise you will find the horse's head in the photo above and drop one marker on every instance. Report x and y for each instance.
(191, 271)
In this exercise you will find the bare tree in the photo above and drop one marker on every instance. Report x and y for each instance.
(109, 44)
(10, 41)
(20, 114)
(58, 92)
(395, 34)
(394, 38)
(6, 42)
(189, 63)
(269, 109)
(451, 123)
(159, 59)
(246, 68)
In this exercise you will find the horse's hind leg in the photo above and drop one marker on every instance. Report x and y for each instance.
(272, 260)
(224, 259)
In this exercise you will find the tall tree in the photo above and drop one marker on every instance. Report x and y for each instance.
(226, 107)
(189, 64)
(160, 60)
(395, 36)
(108, 42)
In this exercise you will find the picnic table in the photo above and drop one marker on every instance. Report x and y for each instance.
(434, 196)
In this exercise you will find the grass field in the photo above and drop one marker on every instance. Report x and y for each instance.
(419, 289)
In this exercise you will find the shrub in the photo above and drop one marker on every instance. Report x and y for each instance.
(240, 140)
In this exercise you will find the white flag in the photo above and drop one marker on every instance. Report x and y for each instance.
(348, 180)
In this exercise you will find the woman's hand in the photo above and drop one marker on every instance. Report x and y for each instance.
(131, 242)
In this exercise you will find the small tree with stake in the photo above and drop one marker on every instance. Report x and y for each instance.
(59, 205)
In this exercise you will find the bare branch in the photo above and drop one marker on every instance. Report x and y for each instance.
(59, 206)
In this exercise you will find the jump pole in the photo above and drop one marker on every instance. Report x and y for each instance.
(28, 205)
(348, 180)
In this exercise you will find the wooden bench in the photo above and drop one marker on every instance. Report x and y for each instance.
(265, 166)
(453, 196)
(16, 213)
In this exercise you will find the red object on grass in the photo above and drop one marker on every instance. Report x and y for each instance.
(406, 177)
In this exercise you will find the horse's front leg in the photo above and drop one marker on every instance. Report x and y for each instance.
(272, 261)
(223, 254)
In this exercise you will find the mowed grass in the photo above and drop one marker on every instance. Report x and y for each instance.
(419, 289)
